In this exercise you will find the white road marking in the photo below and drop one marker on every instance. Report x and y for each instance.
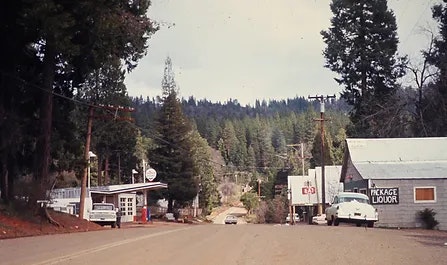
(104, 247)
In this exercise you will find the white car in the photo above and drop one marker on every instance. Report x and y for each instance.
(296, 218)
(351, 207)
(319, 219)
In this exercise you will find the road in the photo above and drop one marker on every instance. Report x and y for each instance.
(230, 245)
(239, 212)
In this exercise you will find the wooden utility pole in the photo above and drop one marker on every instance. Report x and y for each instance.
(86, 158)
(87, 145)
(301, 145)
(322, 98)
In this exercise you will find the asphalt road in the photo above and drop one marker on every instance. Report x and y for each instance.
(229, 244)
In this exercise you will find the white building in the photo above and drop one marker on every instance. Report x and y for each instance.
(123, 196)
(307, 190)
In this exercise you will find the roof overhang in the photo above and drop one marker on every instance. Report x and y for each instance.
(124, 188)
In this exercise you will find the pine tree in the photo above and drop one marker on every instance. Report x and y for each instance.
(435, 101)
(362, 50)
(201, 153)
(172, 157)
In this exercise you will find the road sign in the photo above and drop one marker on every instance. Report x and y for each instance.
(308, 190)
(151, 174)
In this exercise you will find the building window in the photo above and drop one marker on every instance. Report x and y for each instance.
(356, 190)
(424, 194)
(363, 191)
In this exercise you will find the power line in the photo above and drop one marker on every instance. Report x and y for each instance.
(113, 110)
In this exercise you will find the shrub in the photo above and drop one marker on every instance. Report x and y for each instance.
(428, 217)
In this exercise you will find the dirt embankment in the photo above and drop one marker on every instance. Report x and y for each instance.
(12, 225)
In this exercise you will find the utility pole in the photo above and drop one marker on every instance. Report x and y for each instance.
(87, 145)
(86, 158)
(321, 99)
(301, 145)
(119, 168)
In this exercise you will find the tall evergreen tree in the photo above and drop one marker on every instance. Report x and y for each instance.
(362, 49)
(65, 40)
(435, 102)
(203, 168)
(172, 157)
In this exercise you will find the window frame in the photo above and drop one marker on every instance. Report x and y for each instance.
(425, 201)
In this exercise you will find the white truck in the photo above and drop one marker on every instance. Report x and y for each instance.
(103, 214)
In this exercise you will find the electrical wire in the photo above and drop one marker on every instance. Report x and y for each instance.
(151, 134)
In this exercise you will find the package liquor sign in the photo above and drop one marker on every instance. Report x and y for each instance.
(385, 196)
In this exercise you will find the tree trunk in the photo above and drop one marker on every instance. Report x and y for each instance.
(170, 205)
(101, 181)
(46, 111)
(4, 190)
(106, 171)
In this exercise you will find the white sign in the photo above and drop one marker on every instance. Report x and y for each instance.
(151, 174)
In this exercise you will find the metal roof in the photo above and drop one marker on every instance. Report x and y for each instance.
(114, 189)
(399, 158)
(402, 170)
(398, 149)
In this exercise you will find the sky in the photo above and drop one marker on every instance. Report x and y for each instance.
(248, 50)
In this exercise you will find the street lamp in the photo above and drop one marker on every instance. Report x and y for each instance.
(90, 155)
(133, 178)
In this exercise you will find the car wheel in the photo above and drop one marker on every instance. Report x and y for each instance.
(370, 224)
(335, 221)
(113, 225)
(358, 224)
(329, 222)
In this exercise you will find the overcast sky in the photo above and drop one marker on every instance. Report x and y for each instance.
(254, 49)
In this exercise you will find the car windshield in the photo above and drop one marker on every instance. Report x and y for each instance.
(350, 199)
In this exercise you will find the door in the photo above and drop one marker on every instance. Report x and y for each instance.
(127, 204)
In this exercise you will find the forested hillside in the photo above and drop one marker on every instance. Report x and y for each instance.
(257, 142)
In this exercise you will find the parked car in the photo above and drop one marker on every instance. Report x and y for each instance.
(230, 219)
(351, 207)
(319, 219)
(295, 219)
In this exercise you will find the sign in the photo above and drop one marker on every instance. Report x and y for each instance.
(308, 190)
(385, 196)
(151, 174)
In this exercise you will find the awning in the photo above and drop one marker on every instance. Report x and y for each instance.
(115, 189)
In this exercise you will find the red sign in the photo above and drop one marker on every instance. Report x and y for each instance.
(308, 190)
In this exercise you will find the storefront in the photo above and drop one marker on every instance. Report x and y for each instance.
(402, 176)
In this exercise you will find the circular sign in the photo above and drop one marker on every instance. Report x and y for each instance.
(151, 174)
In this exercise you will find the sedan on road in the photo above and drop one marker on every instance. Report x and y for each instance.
(351, 207)
(231, 219)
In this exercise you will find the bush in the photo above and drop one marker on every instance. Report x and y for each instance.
(428, 217)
